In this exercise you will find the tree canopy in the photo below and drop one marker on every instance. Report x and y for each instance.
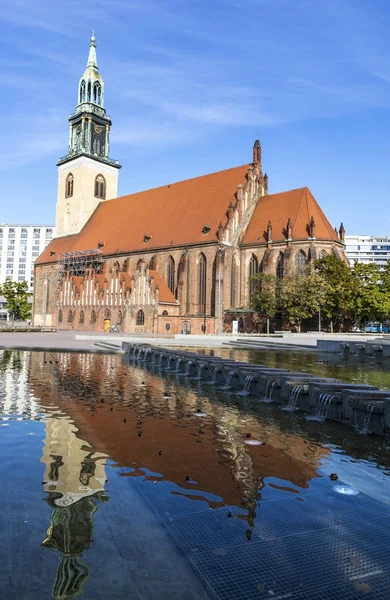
(16, 295)
(359, 293)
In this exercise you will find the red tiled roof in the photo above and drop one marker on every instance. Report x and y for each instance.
(172, 215)
(300, 206)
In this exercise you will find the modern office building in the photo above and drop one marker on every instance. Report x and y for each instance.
(20, 246)
(367, 249)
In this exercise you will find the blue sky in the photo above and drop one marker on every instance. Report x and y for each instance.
(190, 84)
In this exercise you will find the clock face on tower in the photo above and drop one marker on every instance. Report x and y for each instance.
(98, 139)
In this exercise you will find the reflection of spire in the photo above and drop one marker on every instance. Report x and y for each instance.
(72, 573)
(70, 532)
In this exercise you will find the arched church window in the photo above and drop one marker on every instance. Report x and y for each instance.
(82, 91)
(120, 318)
(280, 266)
(171, 274)
(140, 317)
(89, 92)
(60, 317)
(82, 317)
(300, 261)
(202, 277)
(93, 317)
(69, 186)
(70, 317)
(234, 283)
(164, 313)
(100, 187)
(107, 314)
(253, 269)
(323, 253)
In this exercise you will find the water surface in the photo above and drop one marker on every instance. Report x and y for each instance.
(113, 486)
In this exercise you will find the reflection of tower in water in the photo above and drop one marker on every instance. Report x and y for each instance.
(241, 466)
(74, 481)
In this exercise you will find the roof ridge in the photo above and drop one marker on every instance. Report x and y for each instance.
(324, 218)
(304, 187)
(159, 187)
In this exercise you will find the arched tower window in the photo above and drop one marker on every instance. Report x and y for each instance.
(82, 91)
(60, 317)
(107, 314)
(93, 317)
(119, 318)
(89, 92)
(140, 317)
(234, 283)
(69, 186)
(100, 187)
(280, 266)
(70, 317)
(97, 93)
(300, 261)
(323, 253)
(202, 278)
(81, 317)
(171, 274)
(253, 269)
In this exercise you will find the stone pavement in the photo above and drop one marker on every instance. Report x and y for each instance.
(73, 341)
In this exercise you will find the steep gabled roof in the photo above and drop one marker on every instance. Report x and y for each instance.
(300, 206)
(172, 215)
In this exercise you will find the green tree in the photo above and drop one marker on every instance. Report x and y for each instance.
(371, 299)
(302, 295)
(264, 297)
(339, 288)
(16, 295)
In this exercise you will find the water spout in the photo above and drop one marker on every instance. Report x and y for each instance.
(269, 390)
(322, 408)
(229, 378)
(294, 395)
(247, 386)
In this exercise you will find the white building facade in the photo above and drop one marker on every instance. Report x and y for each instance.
(367, 249)
(20, 246)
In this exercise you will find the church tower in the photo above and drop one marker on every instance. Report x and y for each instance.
(86, 175)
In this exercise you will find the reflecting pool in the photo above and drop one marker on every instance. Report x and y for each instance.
(125, 481)
(350, 368)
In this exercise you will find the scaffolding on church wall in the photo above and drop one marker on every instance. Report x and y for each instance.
(79, 261)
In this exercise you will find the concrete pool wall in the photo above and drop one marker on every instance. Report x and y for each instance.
(364, 407)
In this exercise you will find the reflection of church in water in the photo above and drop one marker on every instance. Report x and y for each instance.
(74, 483)
(74, 474)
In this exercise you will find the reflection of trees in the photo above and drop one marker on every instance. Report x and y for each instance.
(70, 532)
(5, 359)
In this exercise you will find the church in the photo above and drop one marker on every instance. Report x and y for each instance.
(173, 259)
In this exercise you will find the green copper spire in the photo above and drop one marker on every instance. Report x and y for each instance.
(91, 85)
(92, 60)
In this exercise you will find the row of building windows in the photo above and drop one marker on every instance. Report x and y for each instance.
(107, 316)
(24, 232)
(100, 187)
(301, 260)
